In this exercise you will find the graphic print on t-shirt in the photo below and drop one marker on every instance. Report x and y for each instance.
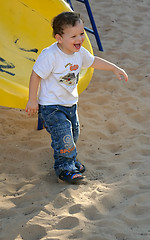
(70, 79)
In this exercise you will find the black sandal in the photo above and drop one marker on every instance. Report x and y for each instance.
(80, 166)
(69, 176)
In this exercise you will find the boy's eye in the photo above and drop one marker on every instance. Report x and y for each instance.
(81, 34)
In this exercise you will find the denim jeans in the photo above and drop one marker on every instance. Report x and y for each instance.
(63, 125)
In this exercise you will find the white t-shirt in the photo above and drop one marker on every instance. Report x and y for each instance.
(59, 74)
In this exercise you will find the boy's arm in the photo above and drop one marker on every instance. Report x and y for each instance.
(32, 105)
(102, 64)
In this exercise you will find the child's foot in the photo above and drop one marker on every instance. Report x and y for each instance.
(80, 166)
(70, 176)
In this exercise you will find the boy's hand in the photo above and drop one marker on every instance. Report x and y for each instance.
(119, 72)
(32, 107)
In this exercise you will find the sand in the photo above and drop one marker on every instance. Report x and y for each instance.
(113, 203)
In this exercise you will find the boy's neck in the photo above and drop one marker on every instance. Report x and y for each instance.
(61, 48)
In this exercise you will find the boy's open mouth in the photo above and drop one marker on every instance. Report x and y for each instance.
(77, 46)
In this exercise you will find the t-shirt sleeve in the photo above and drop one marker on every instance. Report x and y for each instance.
(43, 65)
(87, 58)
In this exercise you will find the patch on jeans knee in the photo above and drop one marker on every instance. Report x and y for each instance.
(67, 150)
(67, 139)
(68, 144)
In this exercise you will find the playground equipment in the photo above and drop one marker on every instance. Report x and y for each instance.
(25, 28)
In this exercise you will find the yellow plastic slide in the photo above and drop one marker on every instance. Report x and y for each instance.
(25, 29)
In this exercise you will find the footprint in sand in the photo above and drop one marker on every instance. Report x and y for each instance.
(60, 201)
(67, 223)
(92, 213)
(75, 209)
(34, 232)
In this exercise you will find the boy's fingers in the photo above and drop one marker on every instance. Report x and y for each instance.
(31, 111)
(125, 77)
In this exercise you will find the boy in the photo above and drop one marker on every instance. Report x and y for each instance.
(56, 71)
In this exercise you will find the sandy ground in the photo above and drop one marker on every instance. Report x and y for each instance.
(113, 203)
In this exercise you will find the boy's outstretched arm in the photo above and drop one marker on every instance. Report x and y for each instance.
(102, 64)
(32, 105)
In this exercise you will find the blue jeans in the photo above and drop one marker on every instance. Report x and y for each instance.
(63, 125)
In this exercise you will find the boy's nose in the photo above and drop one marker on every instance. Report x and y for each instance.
(80, 38)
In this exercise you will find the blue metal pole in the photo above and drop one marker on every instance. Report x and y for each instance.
(93, 25)
(69, 1)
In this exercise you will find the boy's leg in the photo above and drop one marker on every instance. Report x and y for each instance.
(76, 131)
(73, 117)
(60, 127)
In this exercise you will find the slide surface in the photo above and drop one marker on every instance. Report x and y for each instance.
(25, 28)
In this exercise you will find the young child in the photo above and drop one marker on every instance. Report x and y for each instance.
(57, 71)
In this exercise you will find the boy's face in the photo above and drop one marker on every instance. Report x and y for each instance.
(72, 38)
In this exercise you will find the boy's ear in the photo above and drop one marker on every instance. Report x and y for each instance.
(58, 38)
